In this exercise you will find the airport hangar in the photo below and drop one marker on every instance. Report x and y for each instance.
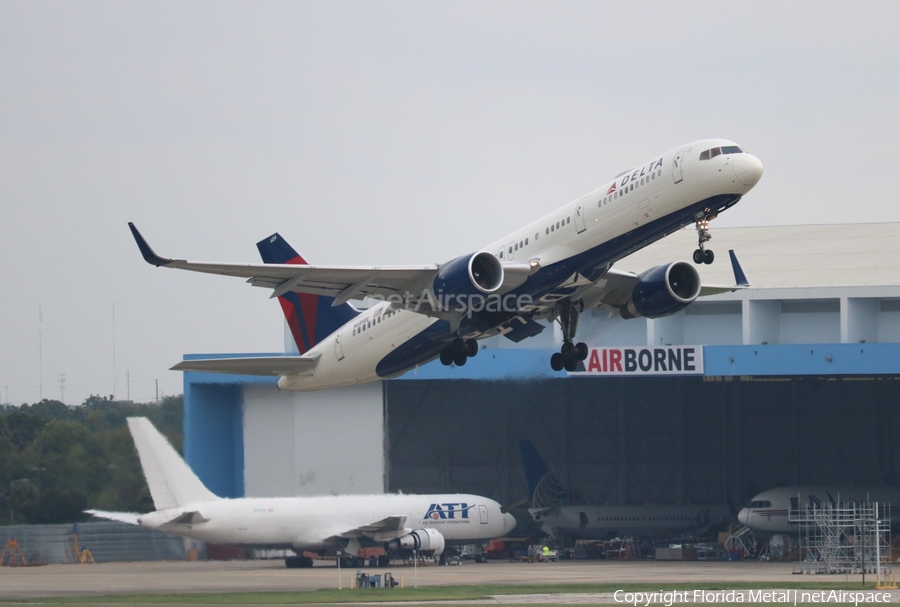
(793, 381)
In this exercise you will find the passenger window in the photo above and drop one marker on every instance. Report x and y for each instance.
(516, 247)
(526, 241)
(568, 220)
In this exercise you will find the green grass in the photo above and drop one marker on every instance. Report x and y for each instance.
(463, 594)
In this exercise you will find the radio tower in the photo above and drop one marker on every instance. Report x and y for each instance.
(62, 388)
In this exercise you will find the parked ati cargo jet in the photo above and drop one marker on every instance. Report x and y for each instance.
(330, 524)
(552, 269)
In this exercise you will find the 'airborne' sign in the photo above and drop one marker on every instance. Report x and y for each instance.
(664, 360)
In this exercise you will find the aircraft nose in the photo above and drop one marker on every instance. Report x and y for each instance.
(509, 522)
(743, 516)
(747, 169)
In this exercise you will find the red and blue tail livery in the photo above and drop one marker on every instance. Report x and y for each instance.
(311, 318)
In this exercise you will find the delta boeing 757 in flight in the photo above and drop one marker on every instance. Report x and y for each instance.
(552, 269)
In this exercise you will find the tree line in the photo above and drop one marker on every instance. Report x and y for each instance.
(57, 461)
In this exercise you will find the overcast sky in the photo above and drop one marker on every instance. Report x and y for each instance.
(380, 132)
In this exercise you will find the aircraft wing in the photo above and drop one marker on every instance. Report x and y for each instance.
(386, 529)
(255, 365)
(614, 289)
(341, 282)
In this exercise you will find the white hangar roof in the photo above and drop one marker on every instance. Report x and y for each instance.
(836, 255)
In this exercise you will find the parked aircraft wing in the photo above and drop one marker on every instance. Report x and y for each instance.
(257, 365)
(341, 282)
(386, 529)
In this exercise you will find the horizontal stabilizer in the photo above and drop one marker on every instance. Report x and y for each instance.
(123, 517)
(258, 365)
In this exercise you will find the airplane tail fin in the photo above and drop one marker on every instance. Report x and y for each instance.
(535, 466)
(545, 489)
(172, 483)
(311, 318)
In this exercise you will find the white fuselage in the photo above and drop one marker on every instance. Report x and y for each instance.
(311, 523)
(602, 522)
(623, 215)
(770, 511)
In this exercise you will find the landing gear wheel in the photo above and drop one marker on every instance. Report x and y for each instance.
(460, 359)
(571, 364)
(471, 348)
(708, 256)
(446, 356)
(698, 256)
(557, 362)
(568, 350)
(581, 351)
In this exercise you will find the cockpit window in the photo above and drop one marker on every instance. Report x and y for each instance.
(712, 153)
(760, 504)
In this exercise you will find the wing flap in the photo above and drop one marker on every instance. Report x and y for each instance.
(256, 365)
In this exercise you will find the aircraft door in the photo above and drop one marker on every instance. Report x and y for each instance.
(483, 513)
(580, 226)
(338, 348)
(676, 166)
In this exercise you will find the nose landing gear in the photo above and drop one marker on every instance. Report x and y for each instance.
(702, 254)
(459, 351)
(570, 354)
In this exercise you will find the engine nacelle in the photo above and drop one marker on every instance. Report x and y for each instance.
(429, 542)
(663, 290)
(469, 275)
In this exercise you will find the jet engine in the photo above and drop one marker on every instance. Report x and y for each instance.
(663, 290)
(429, 542)
(781, 545)
(469, 275)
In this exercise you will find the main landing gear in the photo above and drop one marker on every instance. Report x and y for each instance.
(702, 254)
(571, 353)
(459, 351)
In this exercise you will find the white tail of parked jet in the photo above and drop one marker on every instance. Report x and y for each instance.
(171, 481)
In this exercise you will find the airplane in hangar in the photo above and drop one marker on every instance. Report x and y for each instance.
(550, 270)
(768, 515)
(324, 524)
(558, 512)
(769, 512)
